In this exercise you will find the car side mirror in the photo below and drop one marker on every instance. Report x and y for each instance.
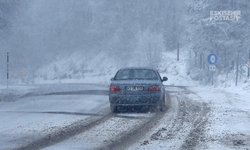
(112, 79)
(164, 79)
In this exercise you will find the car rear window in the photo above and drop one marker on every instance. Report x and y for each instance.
(136, 74)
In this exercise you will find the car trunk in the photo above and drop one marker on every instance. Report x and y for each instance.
(135, 87)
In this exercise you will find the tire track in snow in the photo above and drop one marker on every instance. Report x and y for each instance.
(81, 127)
(117, 132)
(138, 131)
(65, 133)
(183, 127)
(200, 110)
(134, 134)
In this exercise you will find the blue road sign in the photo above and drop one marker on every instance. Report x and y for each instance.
(212, 59)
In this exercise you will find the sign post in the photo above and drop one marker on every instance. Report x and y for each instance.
(212, 59)
(7, 70)
(248, 66)
(178, 51)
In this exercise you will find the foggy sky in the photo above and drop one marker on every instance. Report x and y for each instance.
(45, 29)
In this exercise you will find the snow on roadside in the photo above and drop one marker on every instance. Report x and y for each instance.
(15, 91)
(75, 69)
(230, 119)
(70, 71)
(176, 71)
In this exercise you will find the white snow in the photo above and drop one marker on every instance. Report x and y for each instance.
(26, 119)
(229, 121)
(230, 106)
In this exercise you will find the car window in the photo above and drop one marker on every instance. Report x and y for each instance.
(139, 74)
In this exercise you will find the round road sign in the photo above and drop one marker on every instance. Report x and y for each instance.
(212, 59)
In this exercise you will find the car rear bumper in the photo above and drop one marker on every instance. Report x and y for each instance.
(136, 100)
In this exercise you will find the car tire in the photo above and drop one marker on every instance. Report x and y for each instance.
(162, 107)
(113, 108)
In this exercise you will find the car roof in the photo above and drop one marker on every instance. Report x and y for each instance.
(125, 68)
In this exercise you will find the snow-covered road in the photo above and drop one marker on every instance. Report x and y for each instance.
(67, 117)
(204, 118)
(27, 119)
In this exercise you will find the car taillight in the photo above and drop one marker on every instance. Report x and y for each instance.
(114, 88)
(154, 88)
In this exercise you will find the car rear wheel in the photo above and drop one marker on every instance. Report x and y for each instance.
(162, 107)
(113, 108)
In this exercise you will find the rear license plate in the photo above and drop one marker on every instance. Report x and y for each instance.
(134, 88)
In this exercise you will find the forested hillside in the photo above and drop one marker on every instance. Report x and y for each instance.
(61, 39)
(226, 38)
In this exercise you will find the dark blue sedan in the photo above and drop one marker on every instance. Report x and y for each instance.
(137, 86)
